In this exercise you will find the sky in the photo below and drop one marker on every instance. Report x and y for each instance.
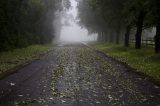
(71, 31)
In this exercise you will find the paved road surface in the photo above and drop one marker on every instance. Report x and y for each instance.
(74, 75)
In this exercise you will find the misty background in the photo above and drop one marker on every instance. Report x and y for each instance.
(70, 30)
(30, 22)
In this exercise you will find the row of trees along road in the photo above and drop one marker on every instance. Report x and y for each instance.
(27, 22)
(109, 18)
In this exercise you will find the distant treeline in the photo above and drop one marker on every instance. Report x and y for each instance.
(113, 18)
(26, 22)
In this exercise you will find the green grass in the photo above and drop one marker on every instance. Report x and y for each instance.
(143, 60)
(17, 57)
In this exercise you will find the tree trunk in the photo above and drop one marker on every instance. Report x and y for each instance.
(107, 36)
(157, 38)
(99, 37)
(104, 37)
(118, 30)
(111, 37)
(139, 25)
(117, 36)
(127, 34)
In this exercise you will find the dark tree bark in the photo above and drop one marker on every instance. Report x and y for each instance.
(107, 36)
(104, 37)
(127, 35)
(111, 37)
(117, 35)
(157, 38)
(100, 37)
(139, 25)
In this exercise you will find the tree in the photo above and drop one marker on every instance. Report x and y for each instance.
(156, 21)
(111, 12)
(109, 18)
(136, 11)
(91, 19)
(127, 35)
(26, 22)
(106, 16)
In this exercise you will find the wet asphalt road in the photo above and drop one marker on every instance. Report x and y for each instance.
(75, 75)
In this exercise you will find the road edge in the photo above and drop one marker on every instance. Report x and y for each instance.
(18, 67)
(131, 69)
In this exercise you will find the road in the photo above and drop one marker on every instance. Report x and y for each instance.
(75, 75)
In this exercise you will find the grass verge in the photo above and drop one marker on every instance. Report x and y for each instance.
(144, 60)
(10, 61)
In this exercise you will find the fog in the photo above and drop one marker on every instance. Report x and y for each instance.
(70, 30)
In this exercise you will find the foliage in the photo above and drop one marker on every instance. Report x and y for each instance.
(110, 18)
(26, 22)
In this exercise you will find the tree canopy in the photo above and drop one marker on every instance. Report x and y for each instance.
(111, 18)
(26, 22)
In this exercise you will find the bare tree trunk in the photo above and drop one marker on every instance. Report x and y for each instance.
(100, 37)
(107, 36)
(117, 35)
(138, 35)
(104, 37)
(157, 38)
(110, 38)
(127, 35)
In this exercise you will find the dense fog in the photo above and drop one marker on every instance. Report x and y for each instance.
(71, 30)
